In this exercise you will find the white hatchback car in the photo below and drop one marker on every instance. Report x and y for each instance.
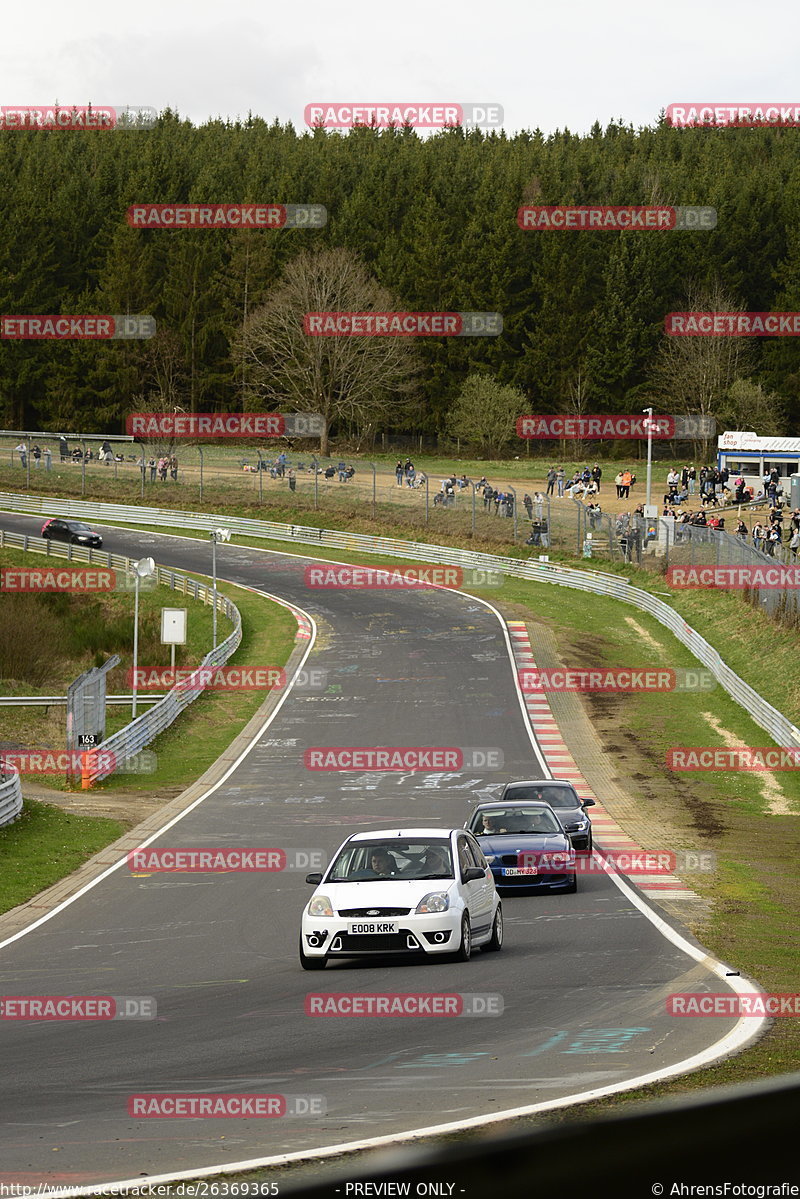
(397, 892)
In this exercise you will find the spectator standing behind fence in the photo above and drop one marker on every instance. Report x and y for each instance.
(153, 469)
(22, 450)
(597, 474)
(618, 484)
(560, 476)
(36, 454)
(551, 480)
(163, 463)
(292, 481)
(411, 476)
(173, 468)
(398, 474)
(758, 534)
(63, 448)
(627, 483)
(48, 458)
(528, 505)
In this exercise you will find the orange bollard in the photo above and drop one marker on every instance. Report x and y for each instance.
(86, 780)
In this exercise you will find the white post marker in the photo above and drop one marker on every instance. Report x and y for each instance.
(173, 631)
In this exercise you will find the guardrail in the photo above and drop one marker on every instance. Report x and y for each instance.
(52, 701)
(10, 797)
(128, 741)
(613, 586)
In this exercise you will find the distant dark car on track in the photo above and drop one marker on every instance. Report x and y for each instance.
(565, 802)
(74, 531)
(525, 845)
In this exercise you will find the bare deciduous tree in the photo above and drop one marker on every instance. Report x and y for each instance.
(693, 374)
(353, 380)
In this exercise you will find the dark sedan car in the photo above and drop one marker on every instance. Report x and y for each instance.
(74, 531)
(525, 846)
(565, 802)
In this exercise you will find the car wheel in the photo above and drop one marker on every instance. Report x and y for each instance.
(311, 963)
(573, 887)
(464, 952)
(496, 940)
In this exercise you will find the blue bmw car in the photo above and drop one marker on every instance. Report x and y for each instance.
(525, 845)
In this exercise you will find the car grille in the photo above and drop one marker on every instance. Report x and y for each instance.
(379, 943)
(374, 911)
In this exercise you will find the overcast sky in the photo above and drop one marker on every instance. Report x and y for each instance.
(563, 64)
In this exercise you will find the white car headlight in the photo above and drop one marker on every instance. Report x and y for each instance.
(435, 901)
(320, 905)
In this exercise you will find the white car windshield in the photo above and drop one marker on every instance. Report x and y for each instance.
(362, 861)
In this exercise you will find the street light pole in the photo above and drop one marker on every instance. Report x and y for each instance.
(143, 569)
(649, 412)
(214, 591)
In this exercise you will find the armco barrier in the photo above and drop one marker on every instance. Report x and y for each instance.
(10, 797)
(777, 725)
(127, 742)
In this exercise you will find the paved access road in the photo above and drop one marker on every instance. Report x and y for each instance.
(583, 978)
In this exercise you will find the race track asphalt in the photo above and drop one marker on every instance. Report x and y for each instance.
(583, 978)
